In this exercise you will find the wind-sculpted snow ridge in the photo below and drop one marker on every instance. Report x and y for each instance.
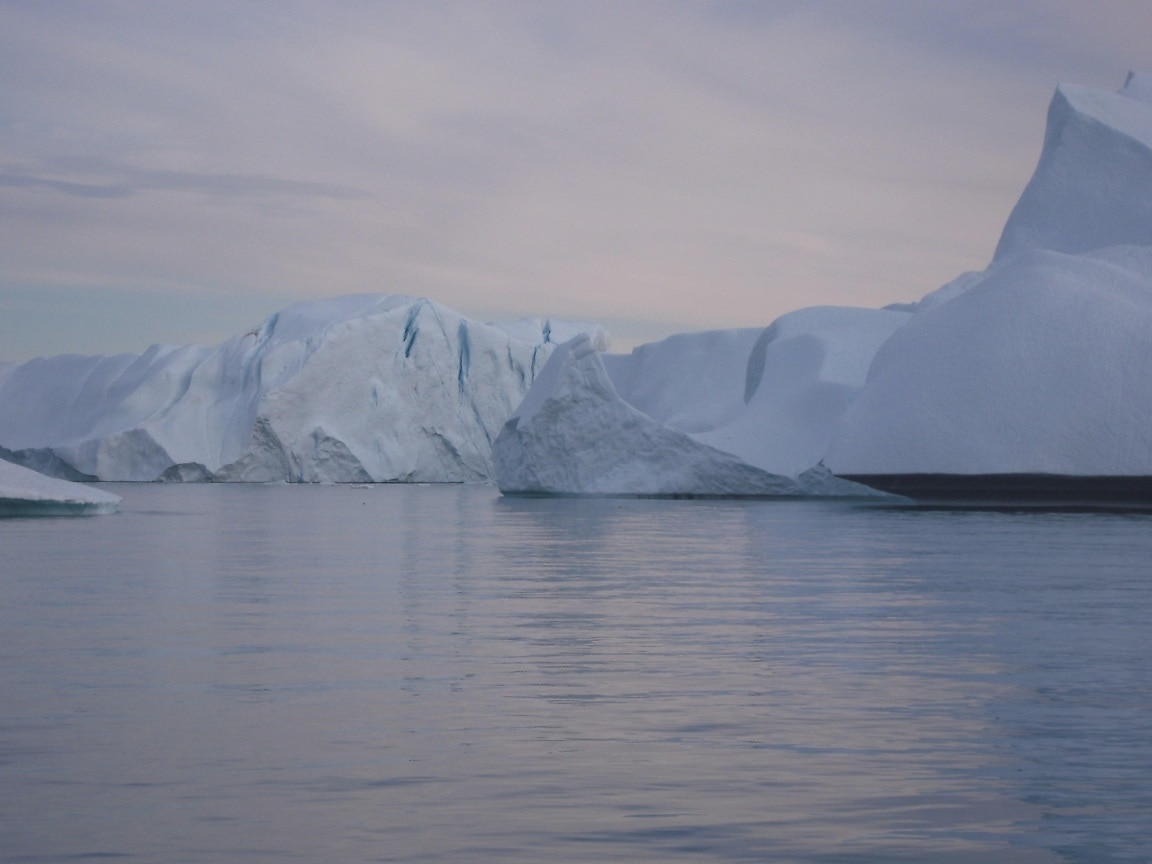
(24, 492)
(364, 388)
(1032, 378)
(1091, 186)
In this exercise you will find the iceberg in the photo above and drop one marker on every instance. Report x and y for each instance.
(1032, 377)
(732, 413)
(1029, 378)
(24, 492)
(363, 388)
(1090, 189)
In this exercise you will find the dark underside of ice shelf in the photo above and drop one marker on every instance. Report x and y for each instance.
(18, 507)
(1054, 489)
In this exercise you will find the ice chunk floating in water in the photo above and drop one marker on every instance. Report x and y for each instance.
(24, 492)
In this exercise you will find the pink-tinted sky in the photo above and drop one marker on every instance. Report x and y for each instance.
(174, 172)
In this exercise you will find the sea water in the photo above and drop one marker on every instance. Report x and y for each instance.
(437, 673)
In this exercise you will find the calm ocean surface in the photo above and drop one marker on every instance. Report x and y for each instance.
(436, 673)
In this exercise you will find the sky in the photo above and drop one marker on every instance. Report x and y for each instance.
(175, 172)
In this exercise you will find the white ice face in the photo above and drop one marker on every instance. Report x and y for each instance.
(1091, 186)
(1041, 368)
(720, 413)
(359, 388)
(1042, 363)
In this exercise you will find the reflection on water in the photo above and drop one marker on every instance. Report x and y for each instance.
(440, 674)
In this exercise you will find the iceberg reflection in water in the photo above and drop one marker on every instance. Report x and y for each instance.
(406, 673)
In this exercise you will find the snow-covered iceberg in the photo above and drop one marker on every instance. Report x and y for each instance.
(1038, 367)
(24, 492)
(352, 389)
(1041, 366)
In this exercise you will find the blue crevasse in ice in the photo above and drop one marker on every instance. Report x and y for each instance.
(349, 389)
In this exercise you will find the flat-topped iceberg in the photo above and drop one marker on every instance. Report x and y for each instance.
(352, 389)
(24, 492)
(1038, 367)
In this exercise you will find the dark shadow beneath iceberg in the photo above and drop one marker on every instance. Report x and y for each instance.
(1042, 490)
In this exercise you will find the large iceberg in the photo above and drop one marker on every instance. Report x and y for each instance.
(1041, 366)
(352, 389)
(1038, 367)
(24, 492)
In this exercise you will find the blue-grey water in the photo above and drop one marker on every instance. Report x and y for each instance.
(406, 673)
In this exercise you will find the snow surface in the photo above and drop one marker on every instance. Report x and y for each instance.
(1041, 364)
(352, 389)
(1091, 186)
(24, 492)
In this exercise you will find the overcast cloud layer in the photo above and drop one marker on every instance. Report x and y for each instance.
(173, 172)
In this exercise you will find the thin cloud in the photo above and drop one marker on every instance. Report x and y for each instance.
(695, 164)
(66, 187)
(235, 186)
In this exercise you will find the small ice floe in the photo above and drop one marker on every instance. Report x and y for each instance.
(24, 492)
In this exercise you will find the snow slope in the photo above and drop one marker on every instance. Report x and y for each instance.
(1091, 185)
(24, 492)
(357, 388)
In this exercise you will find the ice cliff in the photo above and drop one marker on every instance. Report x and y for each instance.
(358, 388)
(1039, 365)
